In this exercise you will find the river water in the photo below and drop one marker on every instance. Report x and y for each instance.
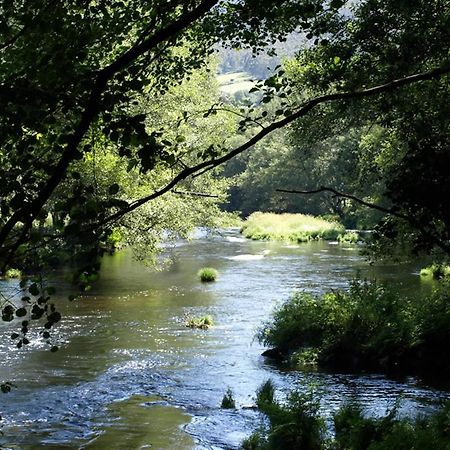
(130, 375)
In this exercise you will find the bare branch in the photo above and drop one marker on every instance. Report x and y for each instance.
(195, 194)
(392, 212)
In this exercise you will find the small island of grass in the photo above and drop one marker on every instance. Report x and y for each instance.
(207, 274)
(290, 227)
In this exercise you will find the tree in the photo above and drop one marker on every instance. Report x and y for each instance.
(74, 73)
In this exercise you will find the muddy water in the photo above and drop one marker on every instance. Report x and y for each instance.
(130, 375)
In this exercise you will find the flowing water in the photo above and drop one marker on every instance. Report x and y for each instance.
(130, 375)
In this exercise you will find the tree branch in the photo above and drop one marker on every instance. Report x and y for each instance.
(300, 112)
(30, 211)
(411, 220)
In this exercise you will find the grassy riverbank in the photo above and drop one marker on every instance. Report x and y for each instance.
(367, 327)
(289, 227)
(297, 424)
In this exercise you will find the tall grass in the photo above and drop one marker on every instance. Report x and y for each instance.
(228, 401)
(297, 424)
(289, 227)
(368, 327)
(207, 274)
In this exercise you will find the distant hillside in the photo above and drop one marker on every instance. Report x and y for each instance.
(235, 87)
(261, 66)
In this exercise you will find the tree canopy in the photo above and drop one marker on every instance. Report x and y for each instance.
(98, 119)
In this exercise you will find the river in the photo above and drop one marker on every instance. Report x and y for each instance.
(130, 375)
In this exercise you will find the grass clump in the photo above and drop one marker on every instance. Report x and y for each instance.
(228, 401)
(202, 323)
(349, 237)
(368, 327)
(289, 227)
(357, 432)
(294, 424)
(436, 271)
(297, 424)
(207, 274)
(13, 273)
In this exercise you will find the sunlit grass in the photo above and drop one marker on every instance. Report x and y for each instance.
(436, 271)
(289, 227)
(208, 274)
(13, 273)
(203, 323)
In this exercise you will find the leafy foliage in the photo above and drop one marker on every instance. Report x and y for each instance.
(228, 401)
(370, 327)
(296, 423)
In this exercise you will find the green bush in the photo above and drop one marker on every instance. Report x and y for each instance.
(367, 328)
(297, 424)
(207, 274)
(356, 432)
(350, 237)
(265, 395)
(228, 400)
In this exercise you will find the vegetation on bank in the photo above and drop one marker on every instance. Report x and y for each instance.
(436, 271)
(368, 327)
(208, 274)
(297, 423)
(289, 227)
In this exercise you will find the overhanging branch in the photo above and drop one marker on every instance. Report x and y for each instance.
(28, 213)
(297, 114)
(390, 211)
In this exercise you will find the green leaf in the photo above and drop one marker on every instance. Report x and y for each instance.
(33, 289)
(21, 312)
(114, 189)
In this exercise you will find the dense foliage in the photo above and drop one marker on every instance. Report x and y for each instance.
(370, 327)
(104, 140)
(297, 423)
(390, 151)
(95, 136)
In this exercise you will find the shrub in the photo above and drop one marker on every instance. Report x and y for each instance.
(289, 227)
(13, 273)
(350, 237)
(356, 432)
(207, 274)
(294, 424)
(228, 400)
(436, 271)
(265, 395)
(369, 327)
(203, 323)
